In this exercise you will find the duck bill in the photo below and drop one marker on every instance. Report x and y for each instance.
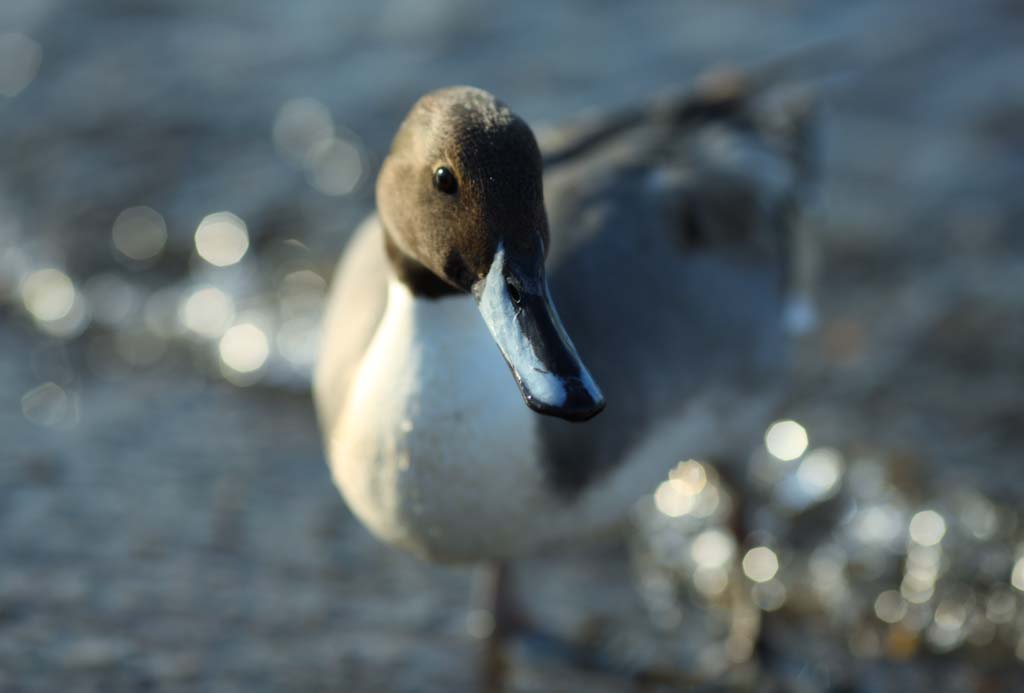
(516, 306)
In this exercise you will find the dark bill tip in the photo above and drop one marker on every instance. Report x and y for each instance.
(579, 404)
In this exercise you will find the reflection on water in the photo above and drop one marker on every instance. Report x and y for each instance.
(786, 440)
(48, 294)
(222, 239)
(139, 233)
(207, 311)
(892, 579)
(50, 405)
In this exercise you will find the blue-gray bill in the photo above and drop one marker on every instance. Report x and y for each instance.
(516, 306)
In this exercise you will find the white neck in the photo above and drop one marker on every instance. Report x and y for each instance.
(435, 428)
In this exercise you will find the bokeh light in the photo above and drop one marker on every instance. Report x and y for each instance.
(914, 570)
(300, 126)
(670, 501)
(877, 524)
(1001, 605)
(760, 564)
(890, 606)
(786, 440)
(222, 239)
(1017, 576)
(711, 581)
(769, 595)
(48, 294)
(207, 311)
(713, 548)
(49, 405)
(54, 303)
(686, 491)
(139, 233)
(304, 133)
(243, 349)
(927, 528)
(335, 166)
(819, 473)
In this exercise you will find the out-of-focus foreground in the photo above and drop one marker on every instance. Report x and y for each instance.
(177, 179)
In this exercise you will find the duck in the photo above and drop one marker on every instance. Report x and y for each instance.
(521, 341)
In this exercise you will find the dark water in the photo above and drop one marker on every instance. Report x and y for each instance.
(165, 517)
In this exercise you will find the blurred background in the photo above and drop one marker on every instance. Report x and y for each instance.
(177, 179)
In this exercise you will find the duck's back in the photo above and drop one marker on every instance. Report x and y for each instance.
(670, 266)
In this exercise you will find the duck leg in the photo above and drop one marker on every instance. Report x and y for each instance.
(496, 619)
(500, 619)
(509, 620)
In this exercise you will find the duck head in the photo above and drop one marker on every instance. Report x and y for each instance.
(462, 205)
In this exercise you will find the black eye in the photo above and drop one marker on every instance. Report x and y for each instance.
(444, 180)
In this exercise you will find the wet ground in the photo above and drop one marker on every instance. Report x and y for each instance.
(166, 519)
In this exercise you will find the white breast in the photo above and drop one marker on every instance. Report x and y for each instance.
(435, 450)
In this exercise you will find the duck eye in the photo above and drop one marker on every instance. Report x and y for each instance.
(444, 180)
